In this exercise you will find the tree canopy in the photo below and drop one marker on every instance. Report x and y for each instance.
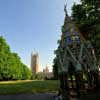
(11, 67)
(87, 17)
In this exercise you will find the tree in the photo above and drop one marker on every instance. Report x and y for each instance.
(11, 67)
(86, 16)
(55, 68)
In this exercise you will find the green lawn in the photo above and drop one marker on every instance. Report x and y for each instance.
(16, 87)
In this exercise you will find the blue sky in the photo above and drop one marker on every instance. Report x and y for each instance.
(29, 24)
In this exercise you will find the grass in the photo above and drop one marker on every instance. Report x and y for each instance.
(17, 87)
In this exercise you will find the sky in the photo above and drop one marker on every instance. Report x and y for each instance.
(29, 25)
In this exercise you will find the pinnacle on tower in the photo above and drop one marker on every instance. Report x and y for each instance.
(65, 8)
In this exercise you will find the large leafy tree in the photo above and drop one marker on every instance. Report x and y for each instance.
(11, 67)
(87, 17)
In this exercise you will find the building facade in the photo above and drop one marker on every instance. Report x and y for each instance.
(46, 70)
(48, 73)
(35, 62)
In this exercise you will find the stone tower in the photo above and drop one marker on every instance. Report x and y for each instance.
(35, 62)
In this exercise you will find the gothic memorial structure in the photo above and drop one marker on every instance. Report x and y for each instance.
(77, 61)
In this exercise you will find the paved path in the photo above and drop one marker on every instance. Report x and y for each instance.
(27, 97)
(45, 97)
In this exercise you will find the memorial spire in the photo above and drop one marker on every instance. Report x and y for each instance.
(65, 8)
